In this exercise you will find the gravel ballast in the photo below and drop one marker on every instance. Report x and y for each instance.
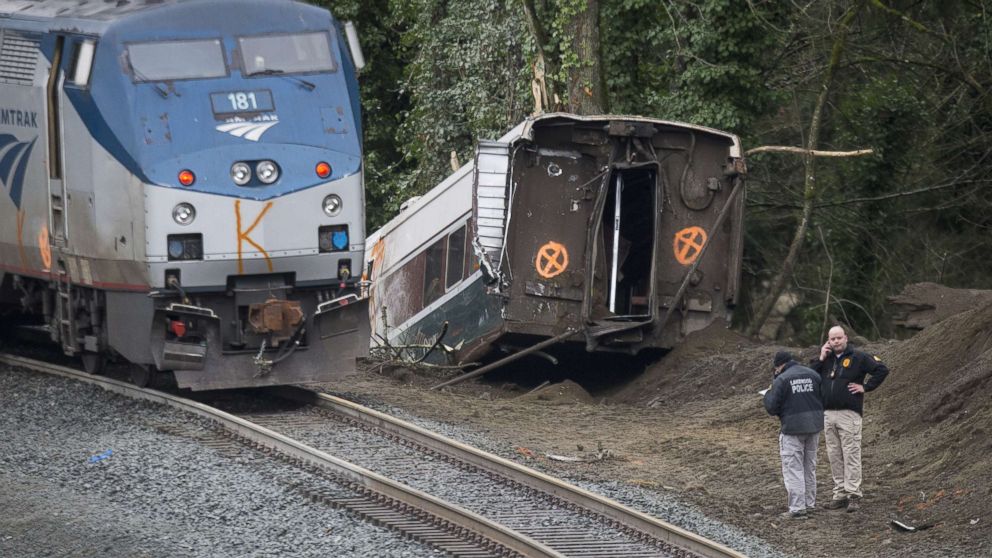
(667, 508)
(84, 472)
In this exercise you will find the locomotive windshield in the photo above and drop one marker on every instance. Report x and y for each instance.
(286, 54)
(168, 60)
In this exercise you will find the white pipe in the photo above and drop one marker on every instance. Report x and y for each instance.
(616, 244)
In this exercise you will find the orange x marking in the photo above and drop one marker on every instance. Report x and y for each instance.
(689, 244)
(552, 259)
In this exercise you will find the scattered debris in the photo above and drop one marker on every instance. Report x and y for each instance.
(538, 388)
(566, 458)
(601, 454)
(906, 528)
(900, 526)
(101, 457)
(525, 452)
(562, 393)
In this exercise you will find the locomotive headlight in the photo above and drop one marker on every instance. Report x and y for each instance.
(267, 172)
(183, 214)
(240, 173)
(332, 205)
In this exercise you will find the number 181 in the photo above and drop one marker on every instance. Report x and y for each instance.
(242, 101)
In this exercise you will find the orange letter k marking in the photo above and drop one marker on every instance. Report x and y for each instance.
(243, 236)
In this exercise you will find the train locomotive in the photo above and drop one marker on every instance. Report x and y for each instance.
(602, 233)
(183, 188)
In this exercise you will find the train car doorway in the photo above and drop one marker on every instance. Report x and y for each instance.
(628, 233)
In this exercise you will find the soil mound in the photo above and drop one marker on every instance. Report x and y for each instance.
(921, 305)
(712, 362)
(941, 373)
(563, 393)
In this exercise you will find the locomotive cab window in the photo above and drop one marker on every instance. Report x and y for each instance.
(172, 60)
(81, 63)
(299, 53)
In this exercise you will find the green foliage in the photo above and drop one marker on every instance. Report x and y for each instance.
(382, 103)
(915, 85)
(916, 210)
(702, 62)
(561, 14)
(466, 80)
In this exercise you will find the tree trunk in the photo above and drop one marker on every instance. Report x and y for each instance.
(586, 83)
(544, 55)
(809, 191)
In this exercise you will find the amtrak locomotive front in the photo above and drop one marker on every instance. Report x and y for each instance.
(183, 187)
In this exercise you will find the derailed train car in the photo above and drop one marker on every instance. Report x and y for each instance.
(182, 187)
(618, 233)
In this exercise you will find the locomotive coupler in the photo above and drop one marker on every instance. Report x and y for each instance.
(279, 319)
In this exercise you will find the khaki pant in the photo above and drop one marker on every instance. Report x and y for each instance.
(842, 431)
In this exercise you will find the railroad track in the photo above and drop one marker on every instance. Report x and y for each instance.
(566, 518)
(372, 496)
(500, 508)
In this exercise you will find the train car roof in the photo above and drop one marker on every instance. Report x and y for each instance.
(87, 16)
(526, 128)
(525, 131)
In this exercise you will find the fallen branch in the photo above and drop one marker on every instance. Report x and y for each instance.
(804, 151)
(422, 365)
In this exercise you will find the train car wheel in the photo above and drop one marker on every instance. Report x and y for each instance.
(141, 375)
(94, 363)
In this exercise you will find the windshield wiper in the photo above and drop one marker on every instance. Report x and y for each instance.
(310, 86)
(163, 92)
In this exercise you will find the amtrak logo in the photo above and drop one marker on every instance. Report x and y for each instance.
(14, 157)
(251, 130)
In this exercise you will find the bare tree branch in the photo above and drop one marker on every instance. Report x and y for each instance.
(808, 152)
(810, 191)
(898, 194)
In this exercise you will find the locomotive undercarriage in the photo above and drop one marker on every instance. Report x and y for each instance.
(258, 331)
(71, 316)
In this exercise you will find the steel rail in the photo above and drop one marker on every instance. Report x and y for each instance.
(511, 540)
(637, 521)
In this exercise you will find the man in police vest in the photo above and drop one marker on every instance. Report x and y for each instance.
(842, 370)
(794, 397)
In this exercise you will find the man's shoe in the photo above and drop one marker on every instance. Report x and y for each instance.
(801, 514)
(836, 504)
(853, 505)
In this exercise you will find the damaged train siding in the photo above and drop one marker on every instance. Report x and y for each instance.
(587, 223)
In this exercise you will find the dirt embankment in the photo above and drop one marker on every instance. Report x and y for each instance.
(927, 449)
(693, 424)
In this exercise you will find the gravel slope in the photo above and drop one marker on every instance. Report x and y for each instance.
(88, 473)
